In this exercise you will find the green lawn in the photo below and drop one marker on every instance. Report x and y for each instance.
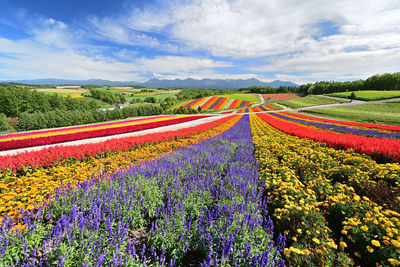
(382, 113)
(308, 101)
(244, 97)
(158, 96)
(369, 95)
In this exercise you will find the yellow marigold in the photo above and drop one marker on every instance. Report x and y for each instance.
(394, 262)
(364, 228)
(376, 243)
(299, 231)
(370, 250)
(316, 240)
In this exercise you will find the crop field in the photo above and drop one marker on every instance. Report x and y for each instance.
(369, 95)
(309, 101)
(280, 96)
(385, 113)
(265, 189)
(260, 108)
(74, 93)
(216, 102)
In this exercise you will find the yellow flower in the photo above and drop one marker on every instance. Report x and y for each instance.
(315, 240)
(394, 262)
(370, 250)
(375, 243)
(364, 228)
(299, 231)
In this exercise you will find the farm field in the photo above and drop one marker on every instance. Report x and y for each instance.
(279, 96)
(216, 102)
(74, 93)
(260, 108)
(368, 95)
(46, 137)
(245, 97)
(384, 113)
(309, 101)
(198, 195)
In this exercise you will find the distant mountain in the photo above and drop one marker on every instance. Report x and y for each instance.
(214, 83)
(186, 83)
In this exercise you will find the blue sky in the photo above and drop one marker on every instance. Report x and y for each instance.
(300, 41)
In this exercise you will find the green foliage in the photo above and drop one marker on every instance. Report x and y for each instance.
(368, 95)
(107, 97)
(387, 81)
(17, 100)
(5, 125)
(183, 110)
(384, 113)
(309, 101)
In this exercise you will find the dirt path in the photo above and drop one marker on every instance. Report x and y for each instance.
(104, 138)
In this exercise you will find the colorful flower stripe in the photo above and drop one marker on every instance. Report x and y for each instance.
(351, 123)
(269, 107)
(24, 192)
(55, 139)
(195, 102)
(201, 102)
(324, 219)
(339, 128)
(208, 104)
(15, 136)
(187, 103)
(219, 99)
(182, 211)
(235, 103)
(24, 162)
(89, 128)
(223, 103)
(241, 110)
(257, 109)
(379, 149)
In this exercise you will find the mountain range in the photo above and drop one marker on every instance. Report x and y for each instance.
(156, 83)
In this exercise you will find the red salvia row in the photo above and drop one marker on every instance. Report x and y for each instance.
(55, 139)
(351, 123)
(382, 150)
(57, 155)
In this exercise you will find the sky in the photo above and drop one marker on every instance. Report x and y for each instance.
(119, 40)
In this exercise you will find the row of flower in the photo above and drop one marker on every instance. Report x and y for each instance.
(27, 162)
(216, 102)
(91, 132)
(25, 135)
(25, 191)
(381, 149)
(199, 206)
(261, 108)
(343, 126)
(337, 207)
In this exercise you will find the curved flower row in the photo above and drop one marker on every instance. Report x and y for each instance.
(351, 123)
(86, 133)
(338, 127)
(22, 135)
(199, 206)
(26, 162)
(26, 191)
(328, 202)
(380, 149)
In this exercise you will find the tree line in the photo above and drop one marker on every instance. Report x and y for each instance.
(61, 118)
(107, 97)
(17, 100)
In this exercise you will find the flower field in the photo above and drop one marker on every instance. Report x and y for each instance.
(261, 108)
(38, 138)
(216, 102)
(276, 189)
(279, 96)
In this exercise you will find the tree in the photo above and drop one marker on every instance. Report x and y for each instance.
(5, 125)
